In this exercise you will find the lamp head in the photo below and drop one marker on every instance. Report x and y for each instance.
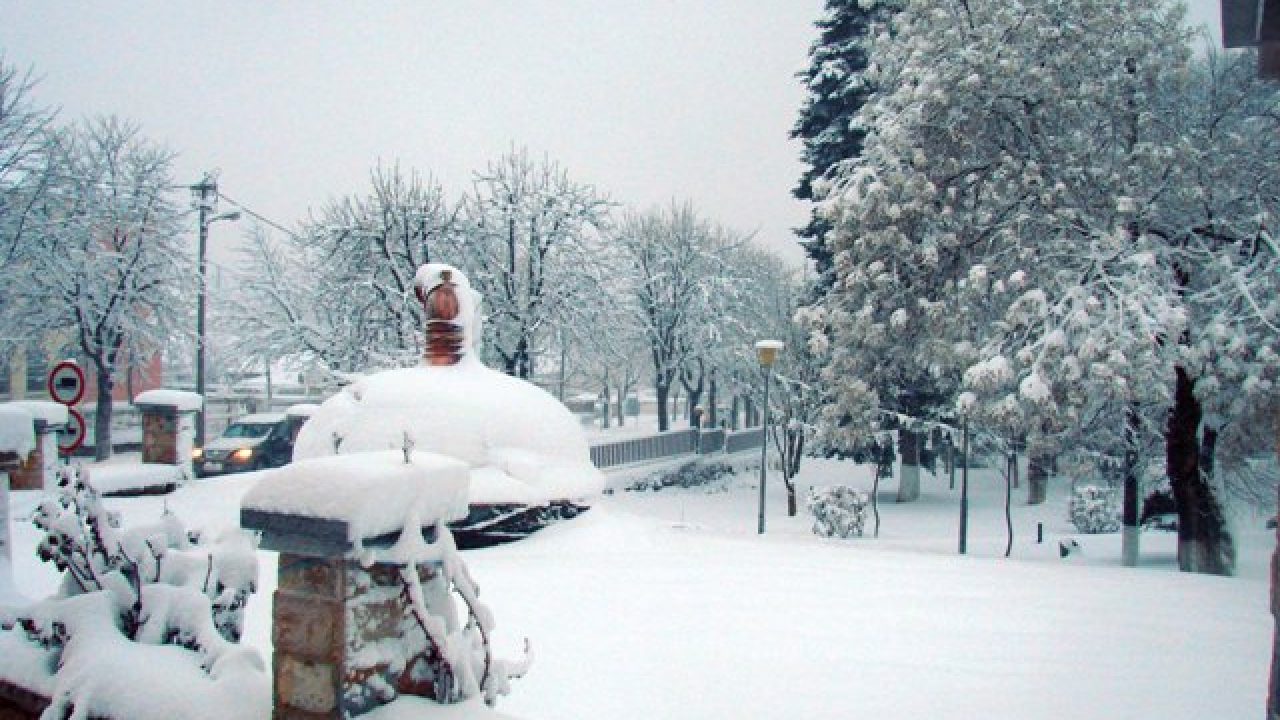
(767, 351)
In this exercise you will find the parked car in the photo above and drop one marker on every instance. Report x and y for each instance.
(252, 442)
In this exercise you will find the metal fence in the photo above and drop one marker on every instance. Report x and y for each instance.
(672, 444)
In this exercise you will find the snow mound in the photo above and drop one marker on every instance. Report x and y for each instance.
(137, 478)
(522, 445)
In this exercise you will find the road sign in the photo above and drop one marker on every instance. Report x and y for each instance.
(75, 433)
(66, 383)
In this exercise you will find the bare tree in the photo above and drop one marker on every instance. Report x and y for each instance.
(676, 280)
(525, 230)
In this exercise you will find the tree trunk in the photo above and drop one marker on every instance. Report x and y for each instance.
(664, 420)
(1131, 533)
(714, 416)
(102, 417)
(620, 406)
(909, 478)
(1038, 464)
(734, 409)
(1204, 543)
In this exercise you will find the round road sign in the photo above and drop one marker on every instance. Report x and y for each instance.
(74, 436)
(66, 383)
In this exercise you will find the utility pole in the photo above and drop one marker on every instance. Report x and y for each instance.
(205, 194)
(964, 489)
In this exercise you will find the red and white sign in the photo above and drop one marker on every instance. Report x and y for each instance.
(73, 437)
(66, 383)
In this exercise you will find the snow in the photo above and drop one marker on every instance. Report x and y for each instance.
(371, 492)
(17, 431)
(301, 410)
(670, 605)
(50, 413)
(125, 477)
(181, 400)
(523, 444)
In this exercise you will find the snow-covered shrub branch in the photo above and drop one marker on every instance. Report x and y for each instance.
(455, 656)
(154, 585)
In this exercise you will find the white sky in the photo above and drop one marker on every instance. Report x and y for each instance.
(295, 102)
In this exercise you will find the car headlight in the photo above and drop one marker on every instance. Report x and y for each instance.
(242, 455)
(197, 454)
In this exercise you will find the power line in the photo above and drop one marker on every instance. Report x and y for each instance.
(258, 216)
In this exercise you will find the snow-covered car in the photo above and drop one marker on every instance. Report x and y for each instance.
(252, 442)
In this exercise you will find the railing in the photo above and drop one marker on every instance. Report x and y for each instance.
(672, 444)
(745, 440)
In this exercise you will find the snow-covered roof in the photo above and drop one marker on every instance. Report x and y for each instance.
(522, 444)
(301, 410)
(181, 400)
(373, 493)
(51, 413)
(17, 430)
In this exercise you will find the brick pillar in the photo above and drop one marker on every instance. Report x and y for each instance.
(307, 631)
(339, 628)
(159, 434)
(30, 473)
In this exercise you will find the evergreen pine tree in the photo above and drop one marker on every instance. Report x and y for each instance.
(837, 90)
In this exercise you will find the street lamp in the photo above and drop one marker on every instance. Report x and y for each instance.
(206, 197)
(766, 352)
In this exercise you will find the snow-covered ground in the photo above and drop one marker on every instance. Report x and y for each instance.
(669, 605)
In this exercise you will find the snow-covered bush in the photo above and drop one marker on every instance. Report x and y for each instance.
(127, 589)
(1094, 509)
(709, 476)
(838, 510)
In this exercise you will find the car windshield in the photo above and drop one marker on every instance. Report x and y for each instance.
(247, 430)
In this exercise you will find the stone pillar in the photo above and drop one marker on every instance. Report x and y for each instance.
(346, 639)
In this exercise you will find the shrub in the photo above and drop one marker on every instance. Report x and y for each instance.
(838, 510)
(1094, 510)
(155, 585)
(710, 476)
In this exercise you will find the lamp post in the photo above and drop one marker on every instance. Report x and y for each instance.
(766, 352)
(205, 194)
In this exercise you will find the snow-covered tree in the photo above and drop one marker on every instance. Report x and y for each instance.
(340, 292)
(105, 263)
(1031, 195)
(24, 167)
(838, 87)
(525, 235)
(676, 278)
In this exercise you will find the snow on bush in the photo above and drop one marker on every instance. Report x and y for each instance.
(153, 595)
(709, 476)
(838, 510)
(1094, 510)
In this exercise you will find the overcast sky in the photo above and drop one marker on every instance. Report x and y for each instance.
(295, 102)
